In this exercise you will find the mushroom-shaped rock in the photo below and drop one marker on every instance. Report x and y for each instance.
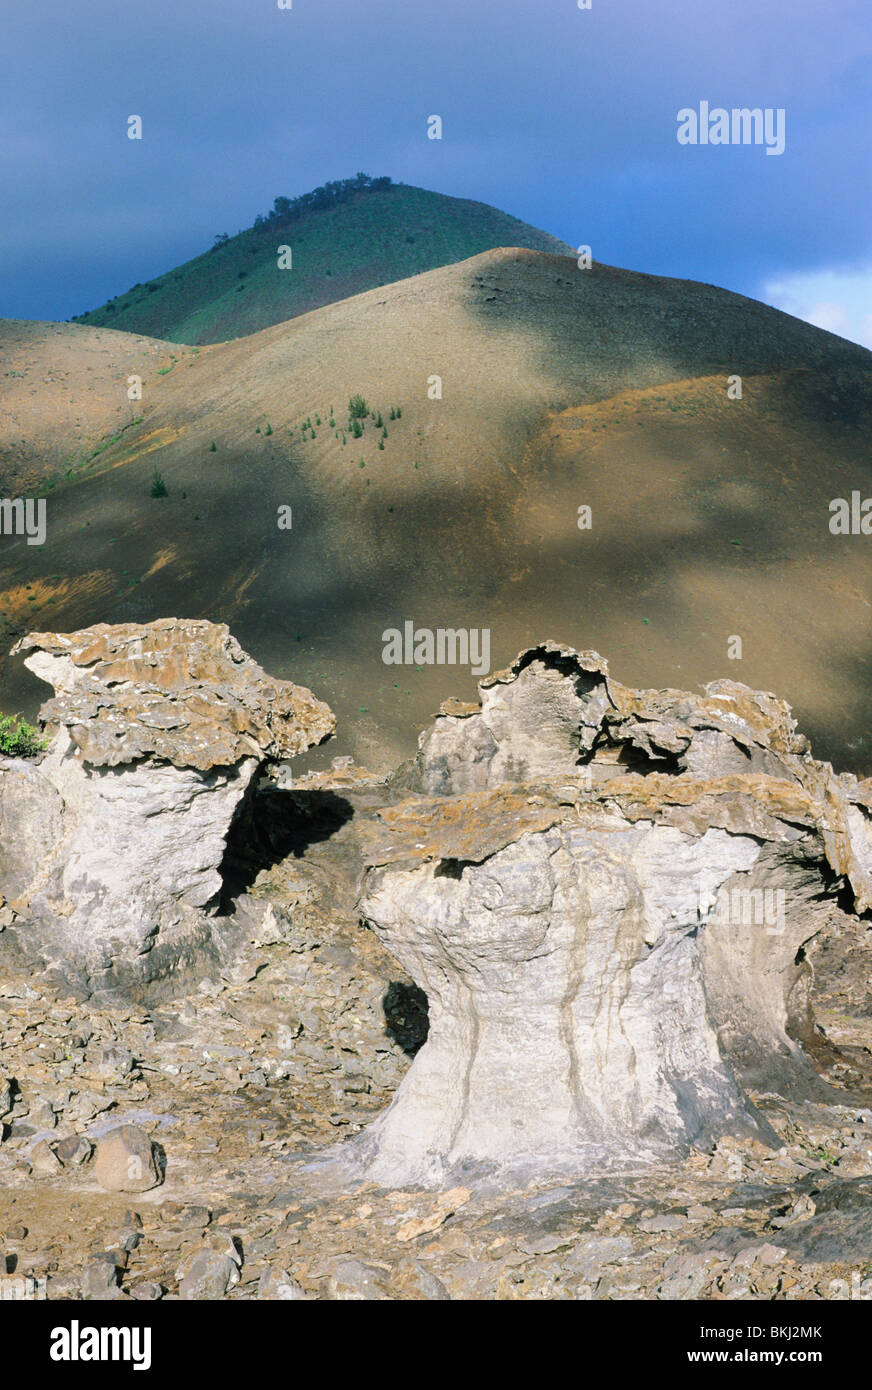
(606, 905)
(157, 730)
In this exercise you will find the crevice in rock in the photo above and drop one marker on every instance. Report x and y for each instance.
(451, 868)
(271, 825)
(407, 1019)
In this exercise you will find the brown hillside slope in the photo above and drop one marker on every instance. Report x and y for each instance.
(560, 388)
(63, 391)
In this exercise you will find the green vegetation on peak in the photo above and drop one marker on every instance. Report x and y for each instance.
(345, 237)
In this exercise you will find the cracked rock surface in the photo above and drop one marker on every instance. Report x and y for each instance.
(112, 846)
(607, 902)
(667, 883)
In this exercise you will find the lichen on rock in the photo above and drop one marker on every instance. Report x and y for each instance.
(605, 895)
(157, 732)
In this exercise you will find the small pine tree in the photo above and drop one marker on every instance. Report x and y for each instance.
(356, 428)
(379, 421)
(393, 414)
(399, 413)
(268, 429)
(212, 447)
(357, 408)
(158, 486)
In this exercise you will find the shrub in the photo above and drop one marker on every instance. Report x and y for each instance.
(379, 422)
(212, 447)
(158, 486)
(268, 429)
(18, 739)
(358, 408)
(356, 428)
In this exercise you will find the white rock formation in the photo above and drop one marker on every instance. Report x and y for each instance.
(606, 906)
(111, 848)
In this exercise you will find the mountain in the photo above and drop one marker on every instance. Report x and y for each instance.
(560, 388)
(368, 237)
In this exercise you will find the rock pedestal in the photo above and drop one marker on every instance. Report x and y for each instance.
(606, 905)
(113, 844)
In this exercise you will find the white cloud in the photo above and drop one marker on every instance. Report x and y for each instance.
(838, 300)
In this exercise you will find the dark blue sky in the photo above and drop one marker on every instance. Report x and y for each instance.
(564, 117)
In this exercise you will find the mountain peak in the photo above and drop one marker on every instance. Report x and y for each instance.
(342, 239)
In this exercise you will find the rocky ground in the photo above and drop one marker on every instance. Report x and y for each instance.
(303, 1041)
(176, 1103)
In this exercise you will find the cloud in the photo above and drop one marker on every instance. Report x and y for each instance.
(839, 300)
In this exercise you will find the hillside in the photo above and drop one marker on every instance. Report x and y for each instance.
(373, 238)
(560, 388)
(65, 394)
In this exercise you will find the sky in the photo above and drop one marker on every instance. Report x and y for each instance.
(565, 117)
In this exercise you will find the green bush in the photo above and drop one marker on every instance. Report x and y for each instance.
(268, 429)
(212, 447)
(158, 486)
(358, 408)
(356, 428)
(18, 739)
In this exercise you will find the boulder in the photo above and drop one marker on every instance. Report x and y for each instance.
(158, 731)
(126, 1161)
(605, 895)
